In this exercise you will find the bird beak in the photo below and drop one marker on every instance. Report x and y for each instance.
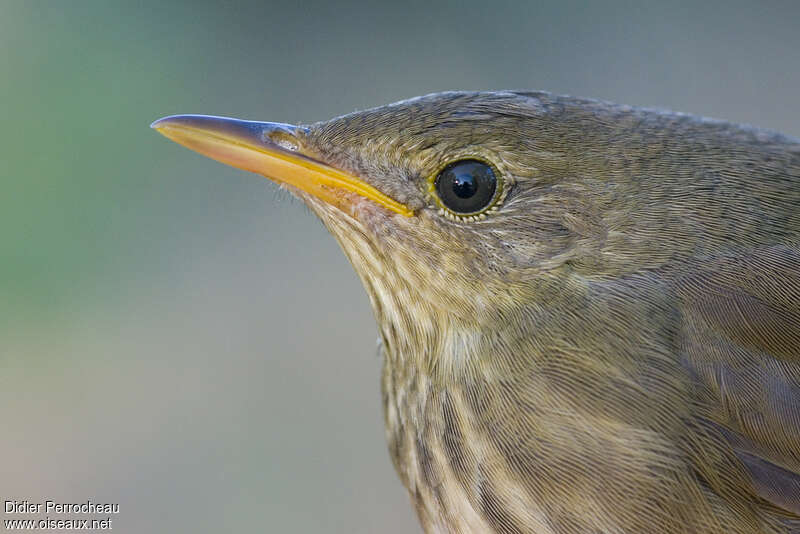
(272, 150)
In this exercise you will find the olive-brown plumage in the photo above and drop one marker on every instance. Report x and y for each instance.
(612, 345)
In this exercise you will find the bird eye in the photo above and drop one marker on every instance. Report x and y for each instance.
(466, 187)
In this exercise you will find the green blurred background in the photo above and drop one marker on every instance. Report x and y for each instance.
(179, 338)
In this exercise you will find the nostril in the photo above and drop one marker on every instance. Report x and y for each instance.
(283, 139)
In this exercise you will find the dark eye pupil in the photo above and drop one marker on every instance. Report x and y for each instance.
(466, 186)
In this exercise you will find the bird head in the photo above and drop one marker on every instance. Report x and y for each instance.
(461, 212)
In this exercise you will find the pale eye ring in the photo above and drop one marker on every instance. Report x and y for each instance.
(467, 187)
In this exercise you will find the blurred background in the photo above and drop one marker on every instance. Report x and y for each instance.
(181, 339)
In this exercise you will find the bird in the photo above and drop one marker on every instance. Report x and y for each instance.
(589, 313)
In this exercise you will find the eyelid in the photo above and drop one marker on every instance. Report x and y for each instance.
(501, 190)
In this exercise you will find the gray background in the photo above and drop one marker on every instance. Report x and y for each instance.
(177, 337)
